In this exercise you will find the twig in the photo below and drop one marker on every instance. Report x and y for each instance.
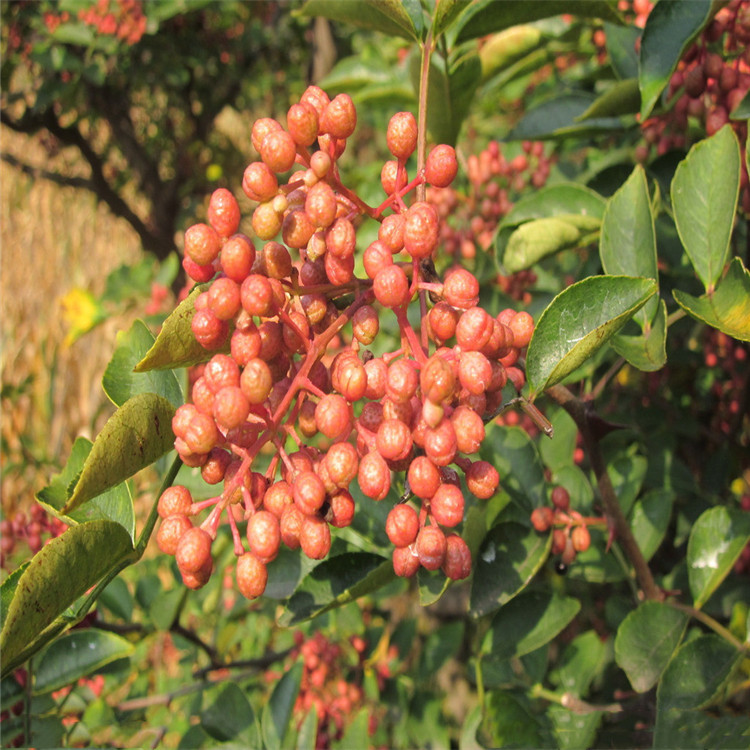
(582, 414)
(709, 622)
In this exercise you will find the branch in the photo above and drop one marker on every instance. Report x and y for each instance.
(584, 417)
(70, 135)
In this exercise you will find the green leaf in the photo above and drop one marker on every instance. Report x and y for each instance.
(59, 573)
(728, 307)
(230, 715)
(509, 558)
(628, 238)
(704, 192)
(115, 504)
(627, 472)
(277, 713)
(670, 29)
(486, 16)
(507, 47)
(357, 733)
(650, 519)
(583, 660)
(558, 452)
(537, 239)
(741, 110)
(118, 599)
(468, 738)
(573, 730)
(138, 433)
(647, 352)
(563, 200)
(515, 456)
(449, 93)
(8, 590)
(716, 541)
(510, 723)
(558, 118)
(308, 732)
(446, 14)
(621, 46)
(175, 346)
(120, 382)
(526, 623)
(579, 321)
(75, 655)
(690, 729)
(697, 673)
(622, 98)
(336, 581)
(646, 640)
(388, 16)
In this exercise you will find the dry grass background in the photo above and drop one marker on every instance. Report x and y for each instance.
(52, 239)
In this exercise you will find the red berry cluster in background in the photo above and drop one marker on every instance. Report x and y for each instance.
(570, 532)
(292, 364)
(121, 18)
(332, 683)
(31, 530)
(495, 182)
(731, 361)
(710, 81)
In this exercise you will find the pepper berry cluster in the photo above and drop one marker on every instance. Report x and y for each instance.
(710, 81)
(32, 529)
(570, 533)
(291, 363)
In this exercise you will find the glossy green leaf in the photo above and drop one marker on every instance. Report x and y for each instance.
(574, 731)
(670, 29)
(716, 541)
(646, 640)
(8, 590)
(138, 433)
(509, 558)
(696, 673)
(647, 352)
(582, 661)
(356, 733)
(75, 655)
(704, 192)
(59, 573)
(116, 504)
(353, 73)
(628, 238)
(537, 239)
(579, 321)
(230, 716)
(621, 47)
(388, 16)
(627, 472)
(596, 564)
(527, 622)
(117, 598)
(120, 382)
(689, 729)
(446, 13)
(507, 47)
(485, 16)
(450, 93)
(336, 581)
(516, 457)
(728, 307)
(558, 451)
(510, 723)
(563, 200)
(741, 110)
(175, 346)
(277, 712)
(308, 732)
(558, 118)
(622, 98)
(650, 519)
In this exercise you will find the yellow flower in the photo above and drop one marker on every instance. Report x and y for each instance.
(81, 312)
